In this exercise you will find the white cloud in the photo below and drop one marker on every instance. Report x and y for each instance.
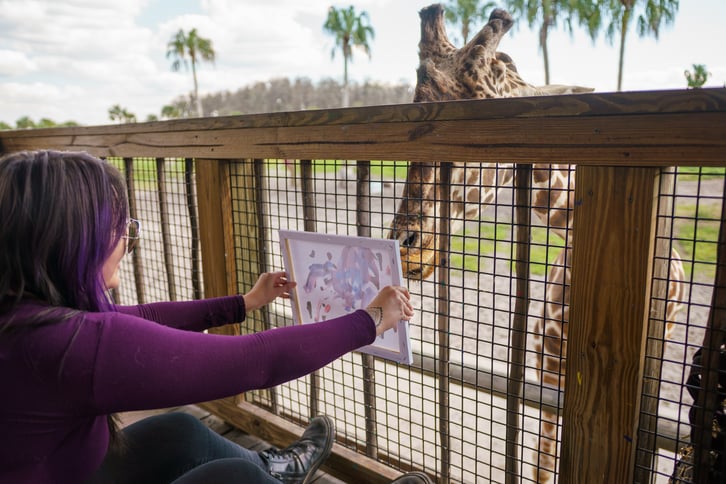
(24, 99)
(14, 63)
(74, 59)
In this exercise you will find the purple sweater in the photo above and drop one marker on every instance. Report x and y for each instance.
(61, 380)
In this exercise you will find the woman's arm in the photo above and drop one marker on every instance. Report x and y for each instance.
(195, 315)
(208, 313)
(140, 365)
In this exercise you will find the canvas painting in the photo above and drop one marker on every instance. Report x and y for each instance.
(338, 274)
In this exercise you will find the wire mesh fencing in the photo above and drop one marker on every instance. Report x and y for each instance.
(487, 262)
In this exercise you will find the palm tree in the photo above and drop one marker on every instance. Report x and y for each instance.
(25, 123)
(467, 12)
(46, 123)
(650, 16)
(699, 76)
(196, 48)
(115, 112)
(122, 115)
(170, 112)
(350, 30)
(545, 14)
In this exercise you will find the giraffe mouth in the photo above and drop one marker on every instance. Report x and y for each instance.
(419, 255)
(418, 264)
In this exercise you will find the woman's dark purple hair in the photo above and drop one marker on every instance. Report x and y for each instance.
(62, 215)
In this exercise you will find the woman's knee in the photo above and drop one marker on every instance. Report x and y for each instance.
(175, 420)
(166, 425)
(178, 434)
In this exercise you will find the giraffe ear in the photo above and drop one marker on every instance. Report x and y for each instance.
(554, 89)
(498, 70)
(507, 60)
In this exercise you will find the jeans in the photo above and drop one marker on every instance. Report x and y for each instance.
(177, 448)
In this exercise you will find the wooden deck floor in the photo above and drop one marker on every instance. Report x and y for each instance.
(224, 429)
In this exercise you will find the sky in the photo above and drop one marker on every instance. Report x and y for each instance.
(74, 59)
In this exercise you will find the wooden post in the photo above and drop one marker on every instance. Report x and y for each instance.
(647, 429)
(190, 193)
(612, 258)
(215, 229)
(136, 259)
(166, 244)
(518, 332)
(215, 234)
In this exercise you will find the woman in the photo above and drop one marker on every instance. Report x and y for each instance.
(70, 359)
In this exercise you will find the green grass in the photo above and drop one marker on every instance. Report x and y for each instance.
(145, 170)
(469, 250)
(691, 173)
(696, 231)
(379, 169)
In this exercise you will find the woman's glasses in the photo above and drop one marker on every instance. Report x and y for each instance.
(133, 232)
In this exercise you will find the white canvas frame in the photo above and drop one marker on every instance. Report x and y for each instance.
(338, 274)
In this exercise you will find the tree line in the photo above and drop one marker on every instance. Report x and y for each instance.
(283, 94)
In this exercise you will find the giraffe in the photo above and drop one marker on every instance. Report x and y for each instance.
(478, 71)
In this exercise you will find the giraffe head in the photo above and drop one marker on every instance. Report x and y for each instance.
(475, 71)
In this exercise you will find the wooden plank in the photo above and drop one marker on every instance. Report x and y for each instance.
(343, 463)
(648, 426)
(214, 216)
(677, 127)
(215, 234)
(589, 104)
(611, 268)
(663, 139)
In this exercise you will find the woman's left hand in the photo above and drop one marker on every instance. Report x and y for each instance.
(269, 285)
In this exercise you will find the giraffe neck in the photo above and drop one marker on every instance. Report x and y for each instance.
(472, 187)
(475, 187)
(553, 196)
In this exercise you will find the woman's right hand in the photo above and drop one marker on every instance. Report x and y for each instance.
(391, 305)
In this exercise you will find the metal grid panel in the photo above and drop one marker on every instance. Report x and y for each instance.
(692, 210)
(459, 428)
(166, 265)
(480, 308)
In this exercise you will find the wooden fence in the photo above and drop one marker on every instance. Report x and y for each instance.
(621, 144)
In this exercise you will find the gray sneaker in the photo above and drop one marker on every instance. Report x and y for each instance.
(297, 463)
(413, 478)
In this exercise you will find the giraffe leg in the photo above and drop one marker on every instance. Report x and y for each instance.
(551, 347)
(676, 292)
(551, 374)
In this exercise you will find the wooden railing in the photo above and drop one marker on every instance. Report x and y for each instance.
(619, 142)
